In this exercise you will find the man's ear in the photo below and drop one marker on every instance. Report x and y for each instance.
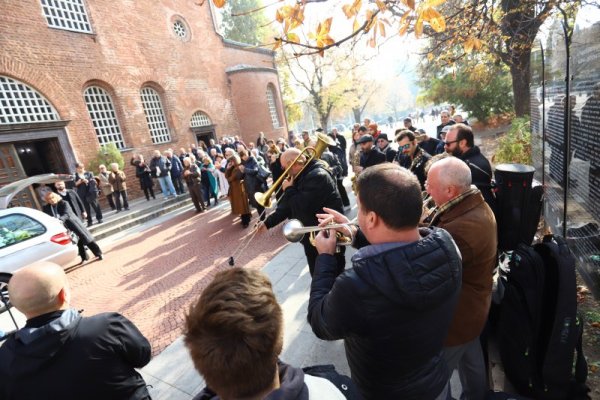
(64, 296)
(372, 220)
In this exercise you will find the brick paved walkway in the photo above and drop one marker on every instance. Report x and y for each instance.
(151, 277)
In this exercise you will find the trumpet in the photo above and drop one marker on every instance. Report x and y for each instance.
(294, 231)
(310, 153)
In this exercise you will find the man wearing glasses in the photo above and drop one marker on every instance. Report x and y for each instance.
(411, 156)
(460, 143)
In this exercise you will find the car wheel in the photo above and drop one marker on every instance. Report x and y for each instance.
(4, 299)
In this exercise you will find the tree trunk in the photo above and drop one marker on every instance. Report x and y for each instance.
(519, 71)
(357, 112)
(324, 120)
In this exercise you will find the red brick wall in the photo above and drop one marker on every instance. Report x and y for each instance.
(133, 45)
(249, 90)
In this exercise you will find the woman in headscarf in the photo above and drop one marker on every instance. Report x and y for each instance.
(237, 192)
(219, 173)
(210, 186)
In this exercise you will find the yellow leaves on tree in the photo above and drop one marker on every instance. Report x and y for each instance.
(472, 43)
(219, 3)
(321, 37)
(434, 18)
(367, 17)
(351, 10)
(290, 16)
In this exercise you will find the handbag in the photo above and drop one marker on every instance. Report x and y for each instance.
(263, 173)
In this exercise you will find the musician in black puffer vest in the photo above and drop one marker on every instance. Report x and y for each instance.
(305, 194)
(394, 306)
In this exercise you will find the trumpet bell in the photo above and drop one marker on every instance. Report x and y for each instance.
(290, 230)
(264, 199)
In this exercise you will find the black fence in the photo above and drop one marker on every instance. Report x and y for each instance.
(565, 123)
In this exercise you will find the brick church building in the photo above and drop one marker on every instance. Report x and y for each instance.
(142, 74)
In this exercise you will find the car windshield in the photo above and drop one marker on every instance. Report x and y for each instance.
(17, 228)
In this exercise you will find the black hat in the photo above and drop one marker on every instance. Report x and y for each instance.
(365, 139)
(319, 129)
(383, 136)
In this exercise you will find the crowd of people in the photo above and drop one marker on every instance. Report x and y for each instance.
(411, 308)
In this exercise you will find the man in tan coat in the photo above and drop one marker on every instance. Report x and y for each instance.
(462, 211)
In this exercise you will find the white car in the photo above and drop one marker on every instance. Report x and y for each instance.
(28, 235)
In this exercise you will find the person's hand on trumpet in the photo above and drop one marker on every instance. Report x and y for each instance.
(334, 217)
(326, 241)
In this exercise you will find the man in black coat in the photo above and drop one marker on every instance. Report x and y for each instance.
(370, 153)
(71, 197)
(87, 190)
(58, 208)
(460, 143)
(61, 355)
(311, 187)
(394, 306)
(383, 144)
(446, 121)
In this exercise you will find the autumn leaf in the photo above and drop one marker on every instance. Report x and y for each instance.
(322, 35)
(219, 3)
(434, 18)
(404, 28)
(409, 3)
(434, 3)
(419, 27)
(472, 43)
(351, 10)
(381, 5)
(381, 29)
(292, 37)
(277, 44)
(355, 25)
(404, 16)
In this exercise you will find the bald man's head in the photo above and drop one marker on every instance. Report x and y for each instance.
(448, 178)
(288, 157)
(38, 289)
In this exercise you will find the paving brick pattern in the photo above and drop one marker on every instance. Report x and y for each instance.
(151, 277)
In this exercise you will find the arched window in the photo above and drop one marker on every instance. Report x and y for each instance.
(155, 116)
(103, 115)
(272, 106)
(21, 104)
(199, 119)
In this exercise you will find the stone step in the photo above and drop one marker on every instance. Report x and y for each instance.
(118, 222)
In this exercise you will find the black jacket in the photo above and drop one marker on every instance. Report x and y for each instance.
(390, 154)
(481, 173)
(62, 210)
(314, 189)
(393, 310)
(74, 201)
(334, 163)
(86, 191)
(415, 165)
(63, 356)
(373, 157)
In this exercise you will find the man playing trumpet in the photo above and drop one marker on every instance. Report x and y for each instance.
(394, 306)
(309, 188)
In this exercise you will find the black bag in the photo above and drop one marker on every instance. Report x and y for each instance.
(539, 331)
(263, 173)
(518, 205)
